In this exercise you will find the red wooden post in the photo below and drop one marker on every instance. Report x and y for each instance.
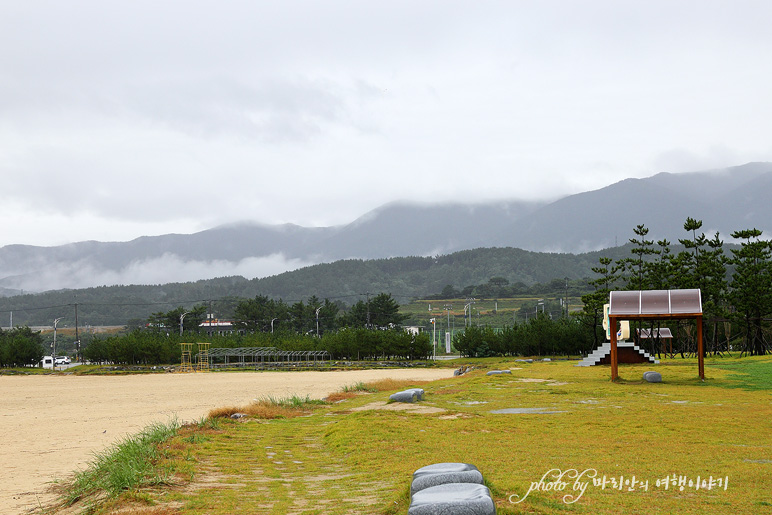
(700, 350)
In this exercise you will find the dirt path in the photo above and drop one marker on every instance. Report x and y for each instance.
(52, 425)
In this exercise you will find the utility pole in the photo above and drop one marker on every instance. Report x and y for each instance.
(368, 310)
(77, 340)
(53, 364)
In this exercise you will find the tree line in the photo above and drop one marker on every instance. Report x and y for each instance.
(370, 329)
(141, 347)
(20, 347)
(263, 314)
(539, 336)
(736, 287)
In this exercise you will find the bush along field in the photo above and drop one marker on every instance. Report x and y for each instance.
(548, 437)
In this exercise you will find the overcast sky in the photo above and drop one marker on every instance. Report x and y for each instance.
(130, 118)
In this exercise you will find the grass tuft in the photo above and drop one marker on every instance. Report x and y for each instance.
(270, 408)
(132, 463)
(384, 385)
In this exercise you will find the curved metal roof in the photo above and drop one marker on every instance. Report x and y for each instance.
(655, 303)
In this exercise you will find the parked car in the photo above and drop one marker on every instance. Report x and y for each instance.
(62, 360)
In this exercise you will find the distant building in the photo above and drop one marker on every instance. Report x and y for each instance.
(212, 326)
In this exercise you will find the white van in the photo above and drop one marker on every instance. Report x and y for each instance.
(47, 362)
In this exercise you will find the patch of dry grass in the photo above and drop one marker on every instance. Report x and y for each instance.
(340, 396)
(384, 385)
(268, 408)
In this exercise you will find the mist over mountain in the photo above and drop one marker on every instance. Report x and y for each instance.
(726, 200)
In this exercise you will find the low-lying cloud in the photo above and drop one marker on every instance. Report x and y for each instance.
(169, 268)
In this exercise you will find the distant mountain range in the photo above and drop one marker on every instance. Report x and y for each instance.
(726, 200)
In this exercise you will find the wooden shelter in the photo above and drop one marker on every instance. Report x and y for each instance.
(655, 305)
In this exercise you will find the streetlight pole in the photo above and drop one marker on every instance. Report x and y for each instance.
(53, 364)
(317, 321)
(447, 308)
(434, 338)
(272, 321)
(182, 318)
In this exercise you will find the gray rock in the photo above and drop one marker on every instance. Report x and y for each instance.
(404, 396)
(453, 499)
(463, 370)
(652, 377)
(496, 372)
(443, 473)
(419, 393)
(238, 415)
(546, 359)
(525, 360)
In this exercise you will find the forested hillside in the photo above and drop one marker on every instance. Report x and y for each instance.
(344, 282)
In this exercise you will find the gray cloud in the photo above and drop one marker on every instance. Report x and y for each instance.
(150, 117)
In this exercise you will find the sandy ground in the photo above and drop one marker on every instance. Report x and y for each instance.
(52, 425)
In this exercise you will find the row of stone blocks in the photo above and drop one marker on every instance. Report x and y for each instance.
(450, 489)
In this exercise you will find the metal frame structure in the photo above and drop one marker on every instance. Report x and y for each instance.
(203, 357)
(186, 361)
(655, 305)
(257, 356)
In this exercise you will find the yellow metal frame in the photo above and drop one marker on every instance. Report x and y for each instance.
(186, 363)
(203, 357)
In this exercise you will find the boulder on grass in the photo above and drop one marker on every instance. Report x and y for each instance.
(453, 498)
(404, 396)
(443, 473)
(652, 377)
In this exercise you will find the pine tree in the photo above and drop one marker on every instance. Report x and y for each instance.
(639, 268)
(751, 288)
(592, 313)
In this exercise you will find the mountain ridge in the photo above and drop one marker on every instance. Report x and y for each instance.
(725, 199)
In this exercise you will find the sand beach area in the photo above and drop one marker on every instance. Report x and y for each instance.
(51, 425)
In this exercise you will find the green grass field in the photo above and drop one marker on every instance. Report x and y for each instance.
(624, 440)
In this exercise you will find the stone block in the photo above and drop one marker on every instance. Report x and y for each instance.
(453, 499)
(404, 396)
(442, 473)
(652, 377)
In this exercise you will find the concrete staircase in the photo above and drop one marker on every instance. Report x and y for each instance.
(626, 348)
